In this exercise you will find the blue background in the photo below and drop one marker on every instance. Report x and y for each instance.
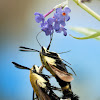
(18, 28)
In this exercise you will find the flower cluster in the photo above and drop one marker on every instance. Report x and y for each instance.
(56, 23)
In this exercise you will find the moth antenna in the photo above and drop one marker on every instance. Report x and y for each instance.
(51, 36)
(28, 49)
(64, 52)
(37, 38)
(20, 66)
(71, 69)
(66, 61)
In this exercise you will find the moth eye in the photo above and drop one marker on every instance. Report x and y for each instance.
(43, 51)
(47, 51)
(34, 70)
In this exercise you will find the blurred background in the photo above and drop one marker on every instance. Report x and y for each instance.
(18, 28)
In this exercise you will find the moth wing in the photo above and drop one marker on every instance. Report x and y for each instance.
(42, 94)
(63, 75)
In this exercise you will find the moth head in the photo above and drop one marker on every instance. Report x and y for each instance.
(48, 53)
(35, 69)
(44, 50)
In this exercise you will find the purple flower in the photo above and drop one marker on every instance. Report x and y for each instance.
(62, 29)
(48, 26)
(62, 15)
(59, 18)
(39, 18)
(57, 25)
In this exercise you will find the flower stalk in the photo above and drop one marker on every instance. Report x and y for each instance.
(63, 4)
(87, 9)
(48, 13)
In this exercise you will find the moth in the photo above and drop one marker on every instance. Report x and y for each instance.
(56, 66)
(52, 62)
(40, 83)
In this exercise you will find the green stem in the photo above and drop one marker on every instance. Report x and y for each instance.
(87, 9)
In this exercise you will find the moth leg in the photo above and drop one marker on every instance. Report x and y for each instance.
(33, 96)
(40, 69)
(56, 88)
(37, 97)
